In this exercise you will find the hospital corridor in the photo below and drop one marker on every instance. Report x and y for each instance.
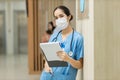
(24, 23)
(13, 41)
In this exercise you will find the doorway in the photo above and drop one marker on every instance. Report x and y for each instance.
(20, 32)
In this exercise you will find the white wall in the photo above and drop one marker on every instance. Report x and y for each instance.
(86, 27)
(107, 39)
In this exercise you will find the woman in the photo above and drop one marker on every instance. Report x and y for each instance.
(51, 26)
(73, 48)
(48, 32)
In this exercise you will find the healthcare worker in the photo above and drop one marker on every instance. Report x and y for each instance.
(71, 41)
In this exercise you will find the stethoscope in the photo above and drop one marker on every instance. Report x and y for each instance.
(55, 39)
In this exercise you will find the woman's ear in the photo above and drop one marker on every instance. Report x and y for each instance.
(69, 17)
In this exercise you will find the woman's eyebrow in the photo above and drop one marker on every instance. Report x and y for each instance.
(61, 14)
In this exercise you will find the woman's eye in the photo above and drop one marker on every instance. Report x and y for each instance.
(61, 16)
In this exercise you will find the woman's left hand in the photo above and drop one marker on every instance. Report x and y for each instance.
(63, 55)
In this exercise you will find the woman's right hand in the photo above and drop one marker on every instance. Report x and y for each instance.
(47, 68)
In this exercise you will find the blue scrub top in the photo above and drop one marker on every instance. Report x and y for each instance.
(77, 49)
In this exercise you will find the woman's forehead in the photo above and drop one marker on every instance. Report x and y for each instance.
(58, 12)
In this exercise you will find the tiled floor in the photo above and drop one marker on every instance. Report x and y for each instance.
(15, 67)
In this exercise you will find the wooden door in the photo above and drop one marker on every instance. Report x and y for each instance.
(34, 57)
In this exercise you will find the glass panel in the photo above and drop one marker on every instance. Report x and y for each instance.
(20, 32)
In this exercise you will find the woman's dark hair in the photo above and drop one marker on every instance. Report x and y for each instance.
(49, 32)
(51, 23)
(65, 10)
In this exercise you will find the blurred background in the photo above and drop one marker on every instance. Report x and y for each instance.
(22, 23)
(13, 40)
(13, 27)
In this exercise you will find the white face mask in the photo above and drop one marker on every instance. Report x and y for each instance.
(61, 24)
